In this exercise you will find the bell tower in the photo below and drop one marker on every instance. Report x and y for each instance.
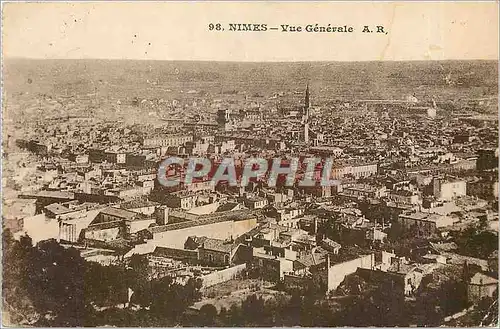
(305, 115)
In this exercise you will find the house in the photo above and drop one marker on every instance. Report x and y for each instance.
(404, 196)
(331, 246)
(310, 262)
(39, 227)
(214, 252)
(424, 224)
(106, 231)
(364, 191)
(256, 202)
(397, 181)
(230, 206)
(336, 273)
(433, 258)
(397, 272)
(408, 275)
(480, 286)
(142, 206)
(448, 188)
(281, 249)
(182, 199)
(286, 215)
(114, 223)
(272, 268)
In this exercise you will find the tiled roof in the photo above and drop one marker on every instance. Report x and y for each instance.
(120, 213)
(57, 209)
(217, 245)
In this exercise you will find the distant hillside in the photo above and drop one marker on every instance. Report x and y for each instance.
(126, 78)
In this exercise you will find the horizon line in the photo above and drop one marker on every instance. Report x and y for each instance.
(248, 61)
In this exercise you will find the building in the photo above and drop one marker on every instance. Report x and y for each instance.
(481, 286)
(398, 275)
(183, 199)
(114, 223)
(216, 252)
(365, 191)
(272, 268)
(166, 141)
(424, 224)
(405, 197)
(225, 226)
(356, 170)
(448, 188)
(326, 151)
(256, 202)
(336, 273)
(223, 120)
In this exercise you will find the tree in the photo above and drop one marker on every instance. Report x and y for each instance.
(46, 281)
(252, 308)
(476, 244)
(138, 272)
(442, 294)
(55, 280)
(208, 313)
(105, 285)
(170, 299)
(235, 316)
(17, 302)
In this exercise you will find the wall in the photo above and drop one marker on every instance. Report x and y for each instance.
(148, 210)
(453, 189)
(338, 272)
(476, 292)
(204, 210)
(445, 221)
(182, 254)
(286, 266)
(213, 257)
(103, 234)
(40, 227)
(222, 276)
(138, 225)
(71, 229)
(221, 230)
(293, 282)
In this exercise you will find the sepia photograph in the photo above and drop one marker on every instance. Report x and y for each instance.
(250, 164)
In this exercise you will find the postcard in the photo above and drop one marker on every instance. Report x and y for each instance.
(250, 164)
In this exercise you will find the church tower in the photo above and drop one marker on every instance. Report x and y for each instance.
(305, 115)
(307, 104)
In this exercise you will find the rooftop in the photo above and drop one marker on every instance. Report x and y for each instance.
(482, 279)
(216, 245)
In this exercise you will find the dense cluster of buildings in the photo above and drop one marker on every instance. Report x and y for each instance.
(404, 169)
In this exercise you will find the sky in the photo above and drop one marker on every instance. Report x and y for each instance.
(180, 31)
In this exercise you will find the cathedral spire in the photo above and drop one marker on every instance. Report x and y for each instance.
(306, 103)
(305, 115)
